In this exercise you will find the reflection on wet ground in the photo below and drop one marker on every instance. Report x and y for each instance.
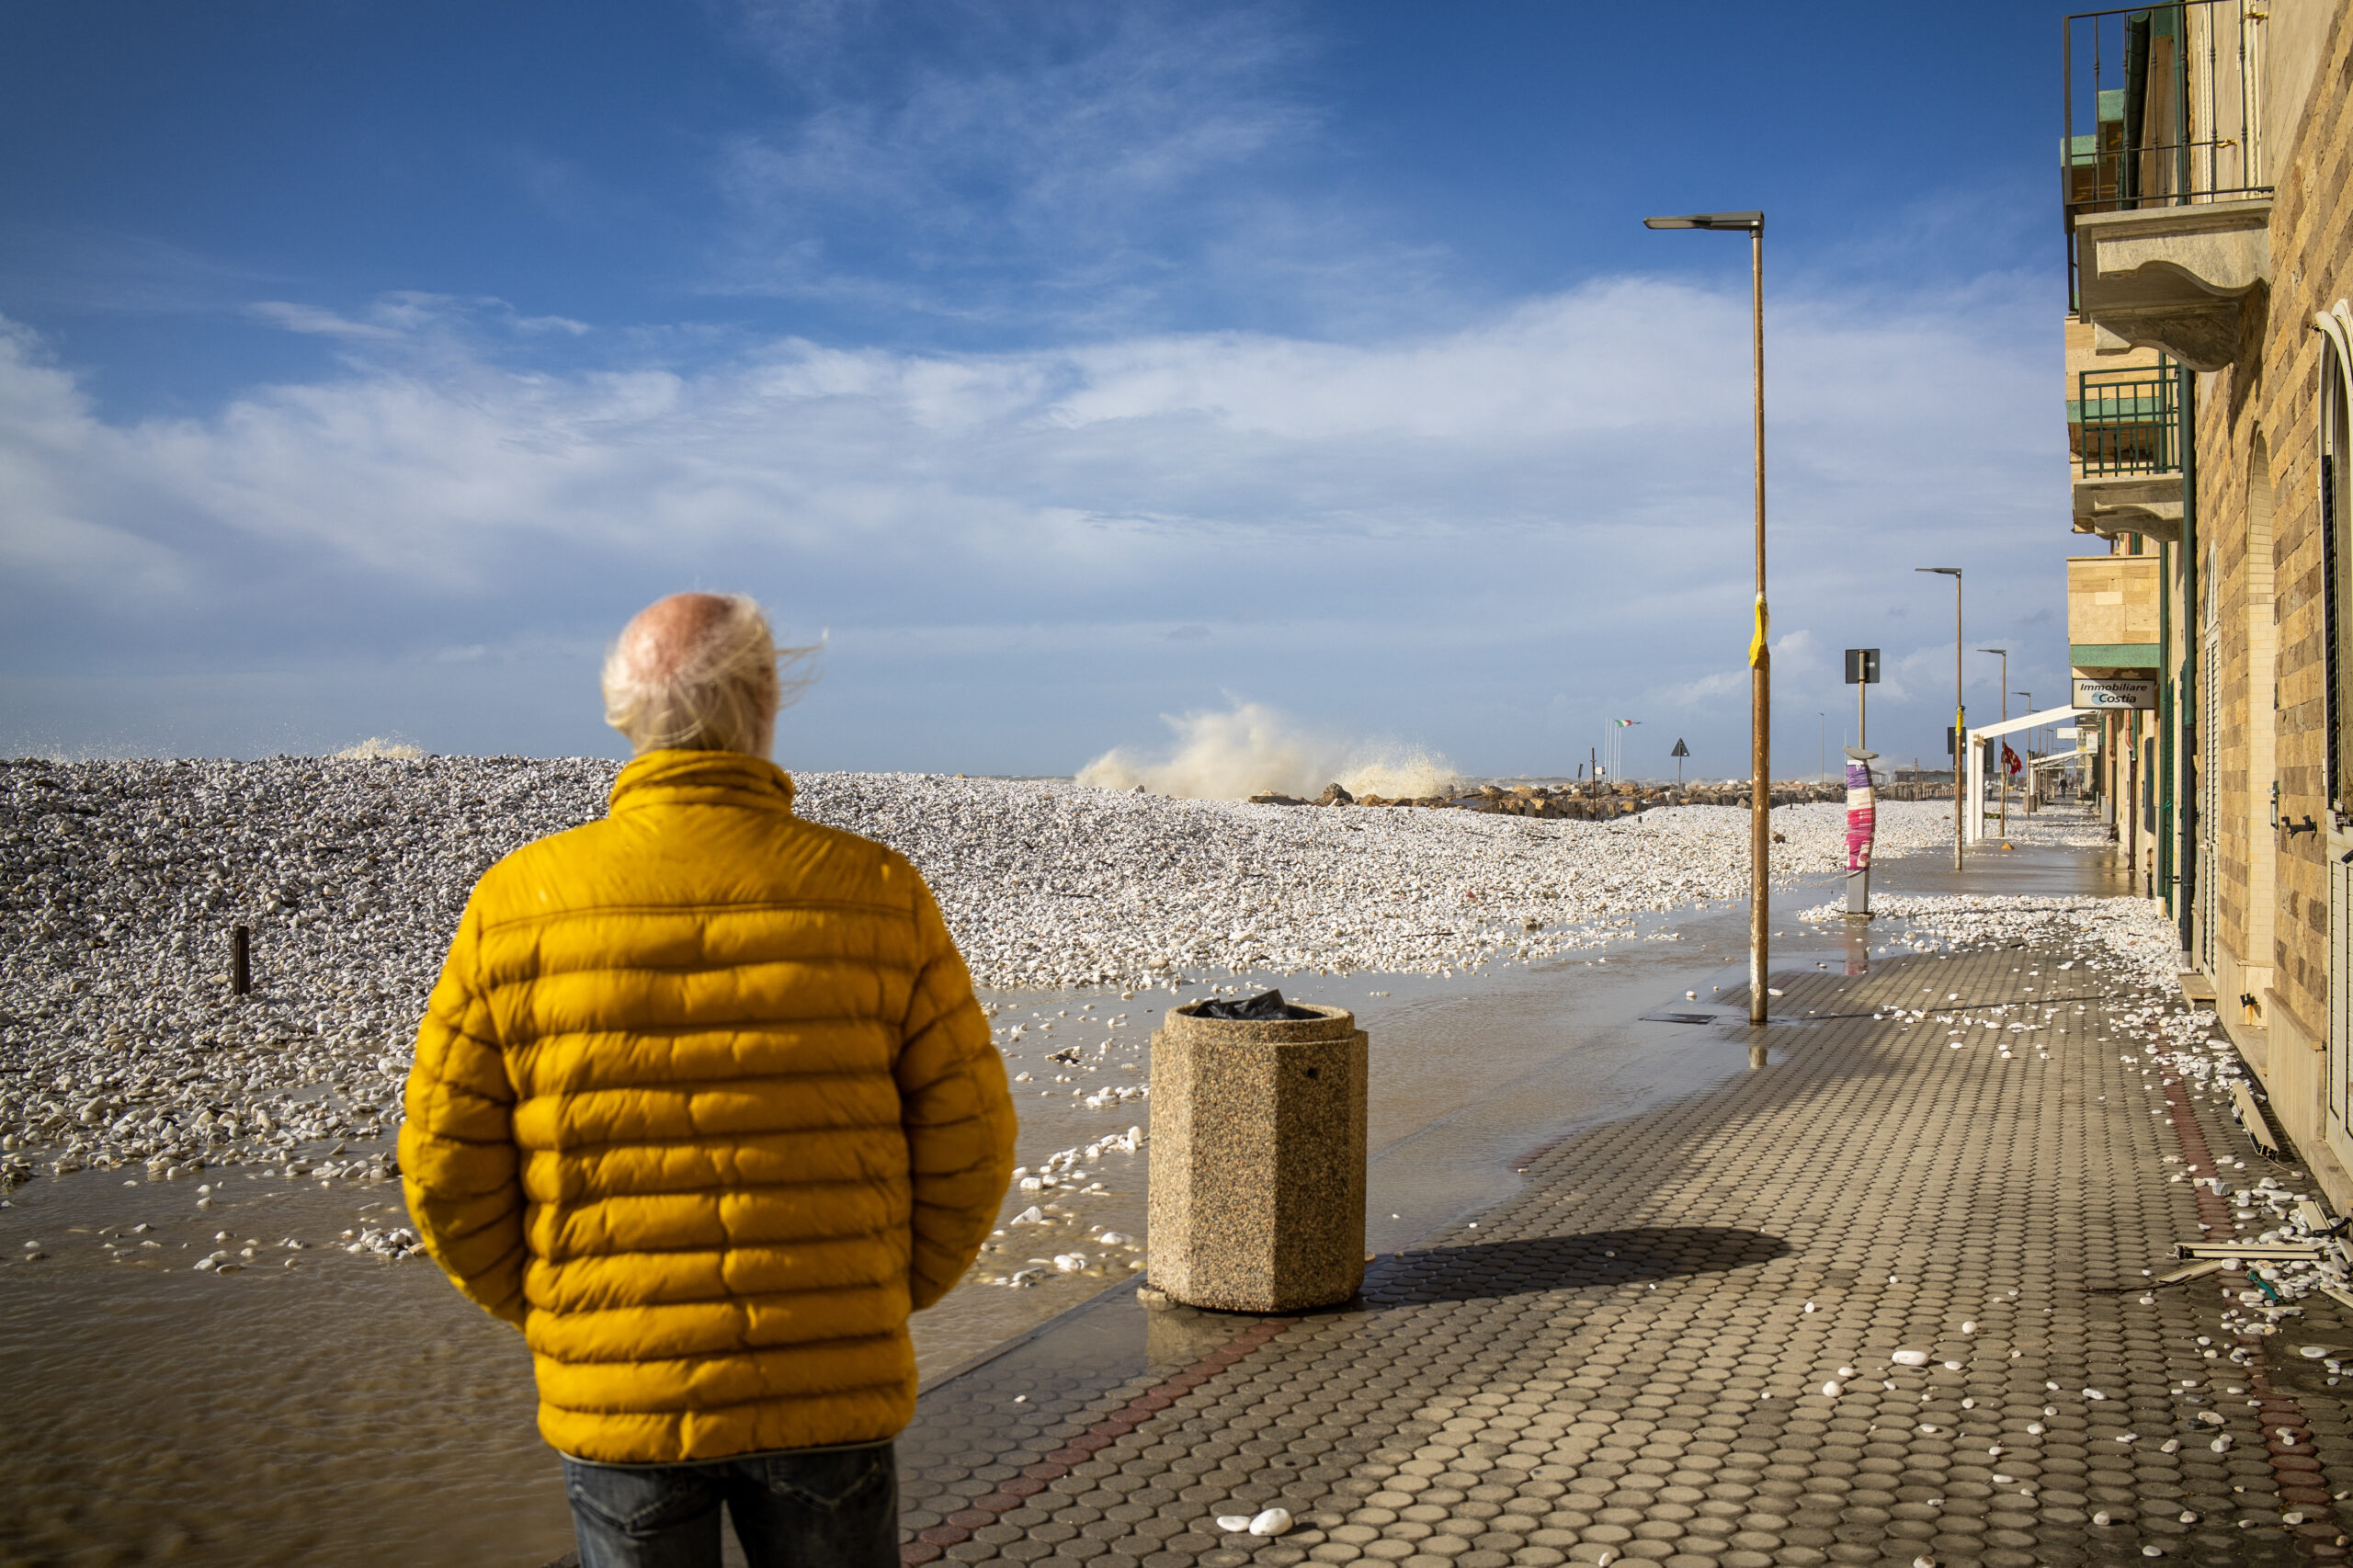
(344, 1409)
(355, 1408)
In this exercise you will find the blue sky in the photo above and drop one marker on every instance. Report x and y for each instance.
(1068, 367)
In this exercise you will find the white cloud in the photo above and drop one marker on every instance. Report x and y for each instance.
(1454, 535)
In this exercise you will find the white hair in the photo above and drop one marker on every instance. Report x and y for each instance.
(698, 672)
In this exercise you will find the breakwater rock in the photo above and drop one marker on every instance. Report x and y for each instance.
(1591, 802)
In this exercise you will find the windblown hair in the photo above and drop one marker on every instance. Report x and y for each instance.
(701, 672)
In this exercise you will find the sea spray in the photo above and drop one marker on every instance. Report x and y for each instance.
(1254, 750)
(376, 748)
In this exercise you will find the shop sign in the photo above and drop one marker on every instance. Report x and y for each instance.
(2109, 696)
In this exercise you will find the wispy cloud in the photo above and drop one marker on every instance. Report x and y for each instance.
(1095, 167)
(411, 317)
(317, 322)
(51, 266)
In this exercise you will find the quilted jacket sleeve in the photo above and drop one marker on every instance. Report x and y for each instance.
(460, 1169)
(956, 1110)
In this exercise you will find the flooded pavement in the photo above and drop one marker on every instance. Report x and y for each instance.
(352, 1407)
(1469, 1073)
(344, 1409)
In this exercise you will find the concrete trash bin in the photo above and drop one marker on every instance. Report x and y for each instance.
(1258, 1161)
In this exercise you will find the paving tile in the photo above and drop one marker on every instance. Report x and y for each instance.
(1619, 1357)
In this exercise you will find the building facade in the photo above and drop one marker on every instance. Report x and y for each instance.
(2208, 162)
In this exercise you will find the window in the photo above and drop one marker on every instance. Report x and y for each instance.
(2335, 448)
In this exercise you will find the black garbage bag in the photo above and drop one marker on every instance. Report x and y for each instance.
(1267, 1008)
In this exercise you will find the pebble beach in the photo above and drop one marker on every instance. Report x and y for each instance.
(123, 1046)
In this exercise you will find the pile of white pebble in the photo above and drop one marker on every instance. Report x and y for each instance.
(2130, 950)
(119, 882)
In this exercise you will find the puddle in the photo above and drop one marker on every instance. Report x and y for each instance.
(345, 1409)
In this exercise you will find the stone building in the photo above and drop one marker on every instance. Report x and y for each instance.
(2207, 166)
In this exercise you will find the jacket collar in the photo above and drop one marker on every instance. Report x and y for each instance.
(701, 778)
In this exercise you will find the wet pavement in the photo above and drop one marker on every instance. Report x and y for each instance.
(1524, 1120)
(1626, 1357)
(314, 1406)
(1467, 1072)
(166, 1414)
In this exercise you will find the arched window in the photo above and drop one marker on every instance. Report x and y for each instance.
(2335, 450)
(2336, 609)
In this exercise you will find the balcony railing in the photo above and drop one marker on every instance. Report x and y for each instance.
(2163, 110)
(2127, 421)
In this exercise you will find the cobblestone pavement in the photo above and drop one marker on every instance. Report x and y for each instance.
(1628, 1359)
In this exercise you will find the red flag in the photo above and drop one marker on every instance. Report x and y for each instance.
(2011, 758)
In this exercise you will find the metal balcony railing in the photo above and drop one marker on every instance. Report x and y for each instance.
(2163, 109)
(2127, 421)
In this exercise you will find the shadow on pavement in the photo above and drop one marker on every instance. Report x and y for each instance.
(1550, 1263)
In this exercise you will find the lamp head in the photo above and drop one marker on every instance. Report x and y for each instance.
(2004, 652)
(1743, 222)
(1940, 571)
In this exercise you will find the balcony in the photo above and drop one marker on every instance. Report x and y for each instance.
(2167, 205)
(2126, 421)
(2114, 506)
(2124, 426)
(2174, 279)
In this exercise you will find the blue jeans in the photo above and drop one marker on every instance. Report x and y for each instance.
(809, 1508)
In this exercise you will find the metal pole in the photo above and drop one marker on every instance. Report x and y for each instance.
(2067, 140)
(1760, 699)
(1862, 716)
(2161, 886)
(2001, 773)
(2192, 627)
(1760, 656)
(1960, 733)
(241, 972)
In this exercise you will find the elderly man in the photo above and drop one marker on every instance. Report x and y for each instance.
(703, 1103)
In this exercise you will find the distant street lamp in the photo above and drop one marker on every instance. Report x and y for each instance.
(1760, 673)
(1960, 710)
(2001, 779)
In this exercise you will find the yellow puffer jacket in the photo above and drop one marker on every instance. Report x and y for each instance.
(704, 1104)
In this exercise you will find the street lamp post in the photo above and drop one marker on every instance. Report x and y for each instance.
(1760, 674)
(1958, 709)
(2001, 779)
